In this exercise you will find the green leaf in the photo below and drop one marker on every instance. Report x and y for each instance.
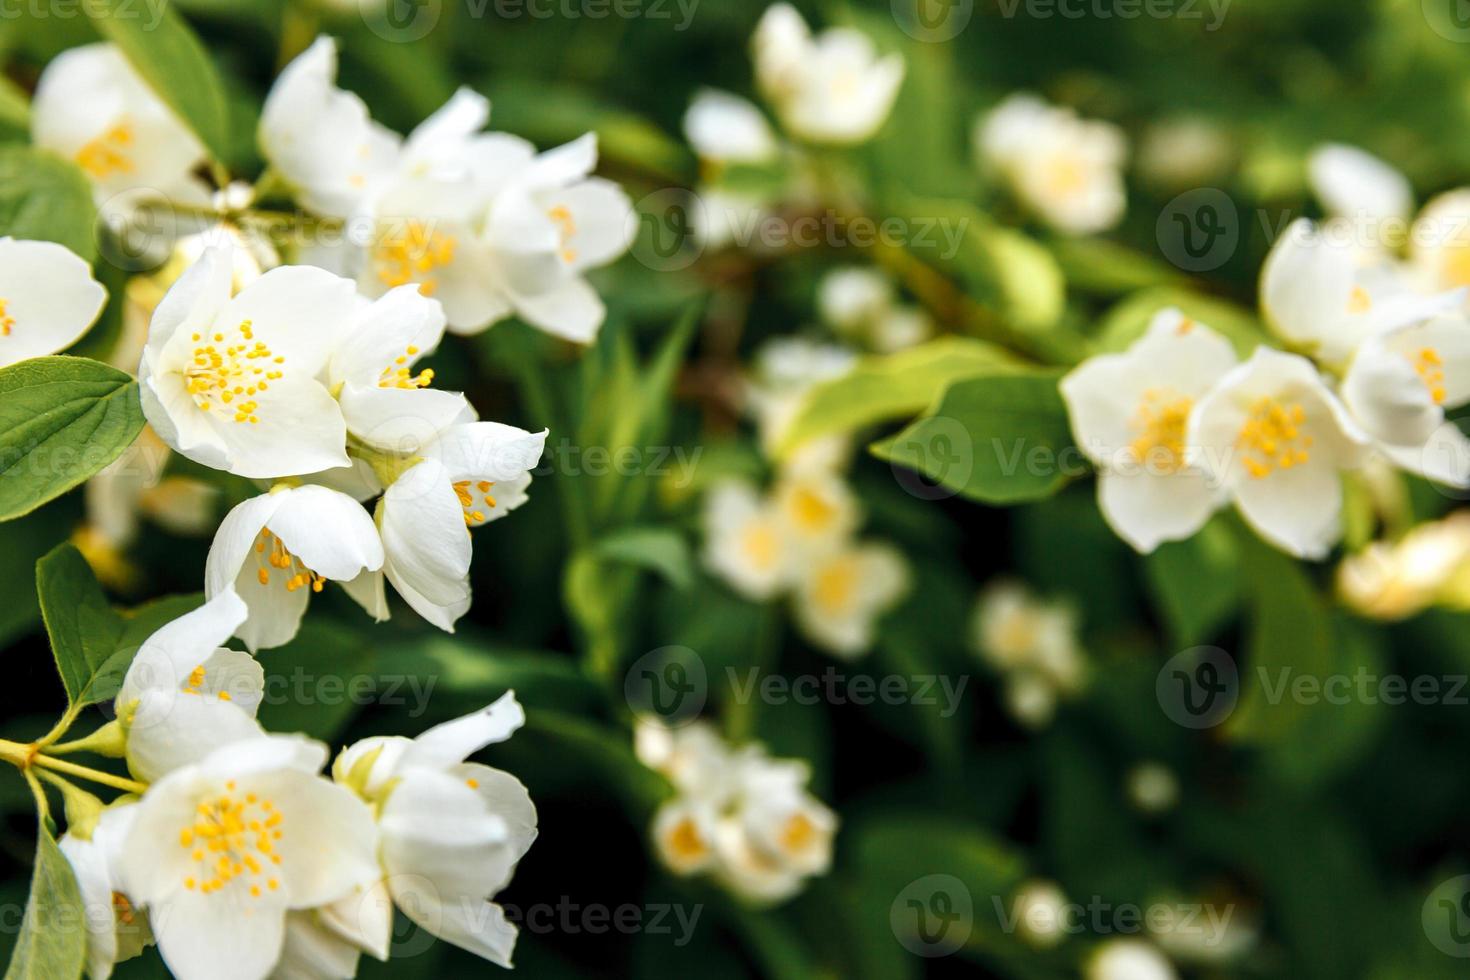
(62, 419)
(1096, 265)
(656, 549)
(52, 943)
(321, 679)
(998, 439)
(167, 53)
(15, 107)
(1195, 584)
(82, 626)
(46, 198)
(888, 386)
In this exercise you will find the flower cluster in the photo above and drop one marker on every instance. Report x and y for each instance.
(476, 219)
(737, 814)
(1177, 426)
(859, 303)
(239, 858)
(1033, 644)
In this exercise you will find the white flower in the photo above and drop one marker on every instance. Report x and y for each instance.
(452, 831)
(724, 128)
(276, 549)
(745, 543)
(1040, 912)
(549, 226)
(93, 108)
(786, 369)
(233, 383)
(721, 217)
(1394, 581)
(817, 509)
(185, 694)
(132, 487)
(1398, 387)
(1129, 414)
(1153, 787)
(841, 595)
(1439, 242)
(852, 298)
(1353, 183)
(473, 473)
(692, 756)
(1187, 151)
(1324, 293)
(48, 299)
(222, 849)
(322, 139)
(1065, 169)
(116, 931)
(1014, 630)
(372, 372)
(1277, 439)
(683, 835)
(833, 88)
(1127, 959)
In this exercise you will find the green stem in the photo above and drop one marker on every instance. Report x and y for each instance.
(25, 757)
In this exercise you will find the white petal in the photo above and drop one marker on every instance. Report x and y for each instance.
(48, 299)
(571, 310)
(235, 541)
(171, 729)
(1351, 182)
(1299, 510)
(195, 299)
(508, 799)
(425, 542)
(1444, 457)
(368, 592)
(329, 842)
(1146, 509)
(603, 221)
(225, 935)
(399, 420)
(329, 531)
(298, 312)
(452, 742)
(564, 164)
(314, 952)
(300, 429)
(382, 331)
(168, 656)
(488, 451)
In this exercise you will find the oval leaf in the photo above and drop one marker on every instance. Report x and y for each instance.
(46, 198)
(52, 942)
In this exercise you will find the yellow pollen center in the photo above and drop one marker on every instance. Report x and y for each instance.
(1064, 176)
(810, 511)
(567, 225)
(760, 545)
(835, 586)
(1272, 438)
(1430, 367)
(472, 515)
(1161, 420)
(233, 836)
(798, 833)
(7, 322)
(400, 375)
(685, 842)
(271, 555)
(412, 255)
(108, 154)
(228, 369)
(1454, 269)
(1359, 301)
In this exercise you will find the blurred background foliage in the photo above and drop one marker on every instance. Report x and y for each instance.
(1328, 826)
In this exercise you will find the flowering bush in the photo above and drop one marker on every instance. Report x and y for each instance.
(957, 486)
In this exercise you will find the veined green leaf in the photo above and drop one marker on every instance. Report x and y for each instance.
(62, 419)
(83, 629)
(52, 943)
(46, 198)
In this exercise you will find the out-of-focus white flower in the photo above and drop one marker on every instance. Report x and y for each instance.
(745, 541)
(1398, 387)
(222, 849)
(1034, 644)
(234, 383)
(1153, 787)
(832, 88)
(1225, 932)
(1429, 566)
(1354, 184)
(1324, 293)
(737, 814)
(185, 694)
(276, 549)
(1439, 242)
(471, 474)
(723, 128)
(48, 299)
(722, 217)
(93, 108)
(116, 931)
(786, 369)
(322, 140)
(1040, 912)
(1129, 414)
(842, 594)
(1277, 439)
(1184, 152)
(1128, 959)
(816, 508)
(1065, 169)
(851, 297)
(452, 831)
